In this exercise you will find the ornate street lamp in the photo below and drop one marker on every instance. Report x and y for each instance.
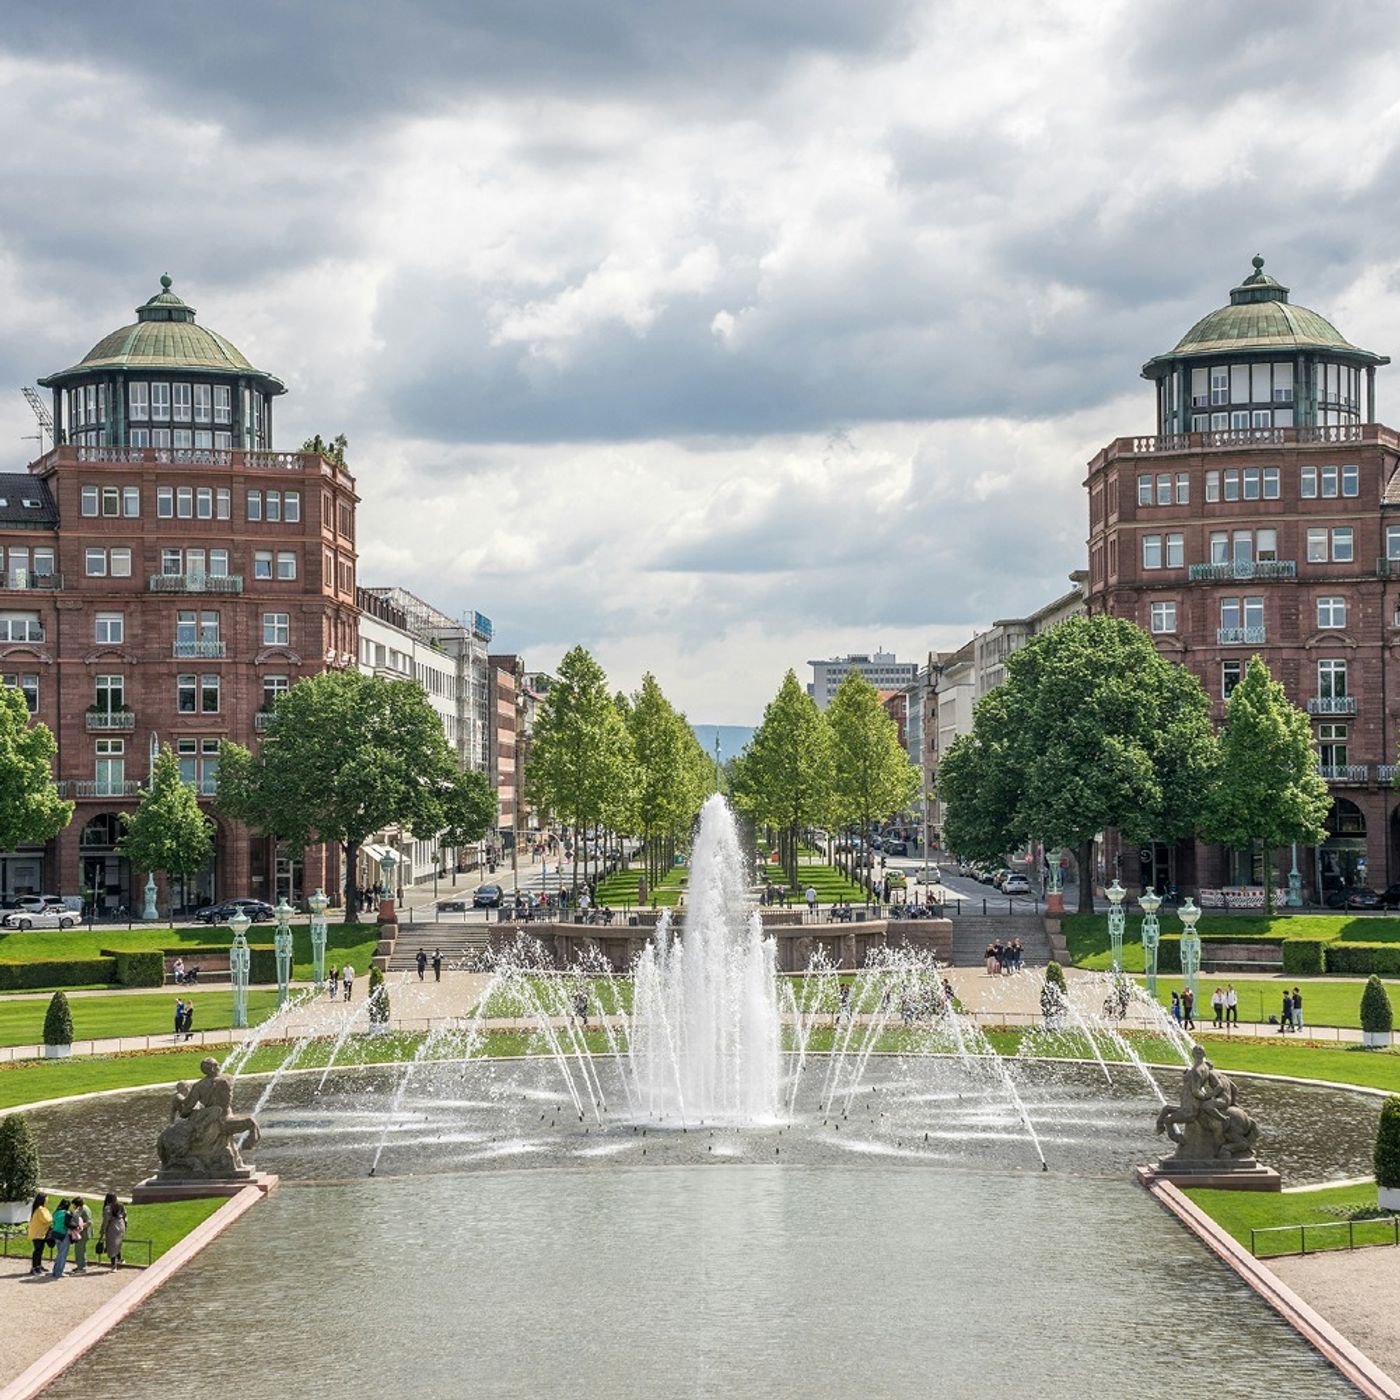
(239, 961)
(1190, 948)
(1295, 883)
(318, 903)
(149, 912)
(1117, 918)
(1150, 902)
(282, 950)
(387, 863)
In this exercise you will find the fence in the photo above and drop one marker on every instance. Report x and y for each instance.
(1385, 1226)
(23, 1247)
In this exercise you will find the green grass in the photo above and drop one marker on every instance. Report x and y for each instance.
(1237, 1212)
(831, 884)
(619, 890)
(164, 1223)
(99, 1018)
(1325, 1003)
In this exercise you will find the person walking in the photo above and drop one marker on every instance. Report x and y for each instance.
(179, 1016)
(1232, 1006)
(1176, 1007)
(189, 1020)
(333, 982)
(422, 961)
(1297, 1009)
(40, 1223)
(61, 1238)
(811, 897)
(80, 1226)
(113, 1228)
(347, 978)
(1285, 1021)
(1188, 1009)
(437, 965)
(1217, 1008)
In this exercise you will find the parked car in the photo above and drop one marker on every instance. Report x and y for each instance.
(487, 897)
(40, 918)
(257, 910)
(1015, 883)
(1363, 898)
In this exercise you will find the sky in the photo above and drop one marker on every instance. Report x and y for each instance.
(713, 337)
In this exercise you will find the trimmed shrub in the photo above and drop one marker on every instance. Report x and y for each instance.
(1377, 1016)
(1363, 959)
(58, 1021)
(19, 1158)
(378, 998)
(145, 969)
(1055, 973)
(262, 965)
(72, 972)
(1305, 957)
(1387, 1160)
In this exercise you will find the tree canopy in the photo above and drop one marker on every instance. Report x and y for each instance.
(871, 775)
(672, 775)
(31, 811)
(167, 834)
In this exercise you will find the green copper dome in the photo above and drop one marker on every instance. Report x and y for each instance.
(165, 338)
(1258, 319)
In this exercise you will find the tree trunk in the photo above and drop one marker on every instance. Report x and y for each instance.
(1268, 882)
(1086, 876)
(352, 904)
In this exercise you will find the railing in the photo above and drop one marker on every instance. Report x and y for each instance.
(106, 787)
(24, 581)
(110, 719)
(1332, 705)
(1244, 569)
(262, 719)
(1235, 438)
(1387, 568)
(23, 1247)
(1381, 1226)
(68, 454)
(201, 650)
(196, 583)
(1240, 636)
(1344, 772)
(205, 787)
(1385, 772)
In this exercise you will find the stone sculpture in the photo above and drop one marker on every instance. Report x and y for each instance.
(1208, 1127)
(201, 1141)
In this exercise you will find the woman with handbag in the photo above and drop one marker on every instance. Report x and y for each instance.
(113, 1228)
(40, 1223)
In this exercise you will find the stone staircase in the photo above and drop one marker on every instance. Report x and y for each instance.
(453, 941)
(972, 933)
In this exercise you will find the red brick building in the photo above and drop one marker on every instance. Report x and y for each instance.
(174, 575)
(507, 773)
(1263, 517)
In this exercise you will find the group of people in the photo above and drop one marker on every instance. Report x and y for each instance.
(1184, 1008)
(1225, 1007)
(1004, 958)
(340, 977)
(67, 1229)
(368, 896)
(422, 961)
(184, 1018)
(1291, 1018)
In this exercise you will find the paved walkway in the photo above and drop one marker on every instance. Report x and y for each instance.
(40, 1310)
(1356, 1291)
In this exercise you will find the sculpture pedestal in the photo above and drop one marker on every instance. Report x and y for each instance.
(1244, 1174)
(154, 1189)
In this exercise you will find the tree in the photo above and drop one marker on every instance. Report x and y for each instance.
(19, 1159)
(167, 834)
(333, 450)
(1093, 729)
(58, 1021)
(1377, 1014)
(580, 752)
(31, 811)
(871, 776)
(667, 761)
(784, 776)
(468, 808)
(1269, 792)
(347, 755)
(1386, 1161)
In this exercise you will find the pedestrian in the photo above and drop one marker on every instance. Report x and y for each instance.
(811, 897)
(843, 1011)
(61, 1238)
(113, 1228)
(437, 965)
(1217, 1008)
(1285, 1021)
(1188, 1009)
(1297, 1009)
(179, 1016)
(80, 1224)
(347, 978)
(1176, 1007)
(581, 1008)
(40, 1223)
(422, 961)
(333, 982)
(1232, 1006)
(189, 1020)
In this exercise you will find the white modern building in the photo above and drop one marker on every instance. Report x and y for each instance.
(881, 668)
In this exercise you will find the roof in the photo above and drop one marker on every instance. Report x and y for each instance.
(18, 487)
(164, 336)
(1260, 317)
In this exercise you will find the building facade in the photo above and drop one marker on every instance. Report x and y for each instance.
(507, 774)
(1263, 518)
(880, 668)
(177, 575)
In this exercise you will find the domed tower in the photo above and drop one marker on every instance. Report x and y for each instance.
(1262, 363)
(166, 382)
(1263, 518)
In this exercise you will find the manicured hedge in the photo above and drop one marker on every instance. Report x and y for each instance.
(1387, 1160)
(1377, 1014)
(1305, 957)
(1362, 959)
(73, 972)
(58, 1021)
(140, 969)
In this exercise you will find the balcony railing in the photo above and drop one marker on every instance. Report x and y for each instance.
(205, 787)
(1244, 569)
(110, 719)
(1332, 705)
(201, 650)
(1241, 636)
(262, 719)
(312, 463)
(1388, 568)
(1232, 439)
(25, 581)
(196, 583)
(106, 787)
(1344, 772)
(1385, 773)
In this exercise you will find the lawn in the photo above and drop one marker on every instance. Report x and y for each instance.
(619, 890)
(99, 1018)
(831, 884)
(164, 1224)
(1238, 1212)
(1325, 1003)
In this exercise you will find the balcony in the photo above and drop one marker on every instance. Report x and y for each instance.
(1243, 569)
(1385, 773)
(1241, 636)
(100, 721)
(205, 787)
(1332, 705)
(106, 787)
(1388, 568)
(196, 583)
(262, 719)
(204, 650)
(1344, 772)
(301, 463)
(21, 580)
(1235, 439)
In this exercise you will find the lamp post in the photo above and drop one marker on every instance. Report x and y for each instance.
(1117, 918)
(1295, 883)
(239, 960)
(1055, 896)
(282, 949)
(1150, 902)
(318, 902)
(149, 912)
(1190, 948)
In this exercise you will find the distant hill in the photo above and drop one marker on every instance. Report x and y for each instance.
(733, 738)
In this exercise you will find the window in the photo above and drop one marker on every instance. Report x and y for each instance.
(139, 437)
(1212, 486)
(1283, 383)
(1164, 617)
(277, 629)
(1231, 673)
(273, 505)
(1329, 481)
(1232, 484)
(165, 502)
(223, 412)
(1332, 680)
(1266, 545)
(197, 694)
(89, 500)
(193, 627)
(1307, 485)
(1176, 551)
(1152, 551)
(1164, 489)
(139, 402)
(1239, 383)
(131, 501)
(21, 627)
(223, 500)
(111, 501)
(1254, 612)
(1200, 393)
(1332, 745)
(1272, 476)
(110, 628)
(1183, 491)
(255, 505)
(203, 404)
(172, 562)
(1392, 541)
(262, 563)
(1251, 477)
(223, 442)
(199, 764)
(1342, 550)
(203, 439)
(1317, 544)
(1331, 612)
(1261, 418)
(160, 402)
(1239, 421)
(1219, 386)
(111, 767)
(1351, 481)
(111, 694)
(27, 683)
(1219, 547)
(287, 563)
(181, 400)
(1242, 547)
(209, 694)
(1200, 422)
(1230, 613)
(274, 687)
(184, 502)
(204, 502)
(218, 563)
(101, 562)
